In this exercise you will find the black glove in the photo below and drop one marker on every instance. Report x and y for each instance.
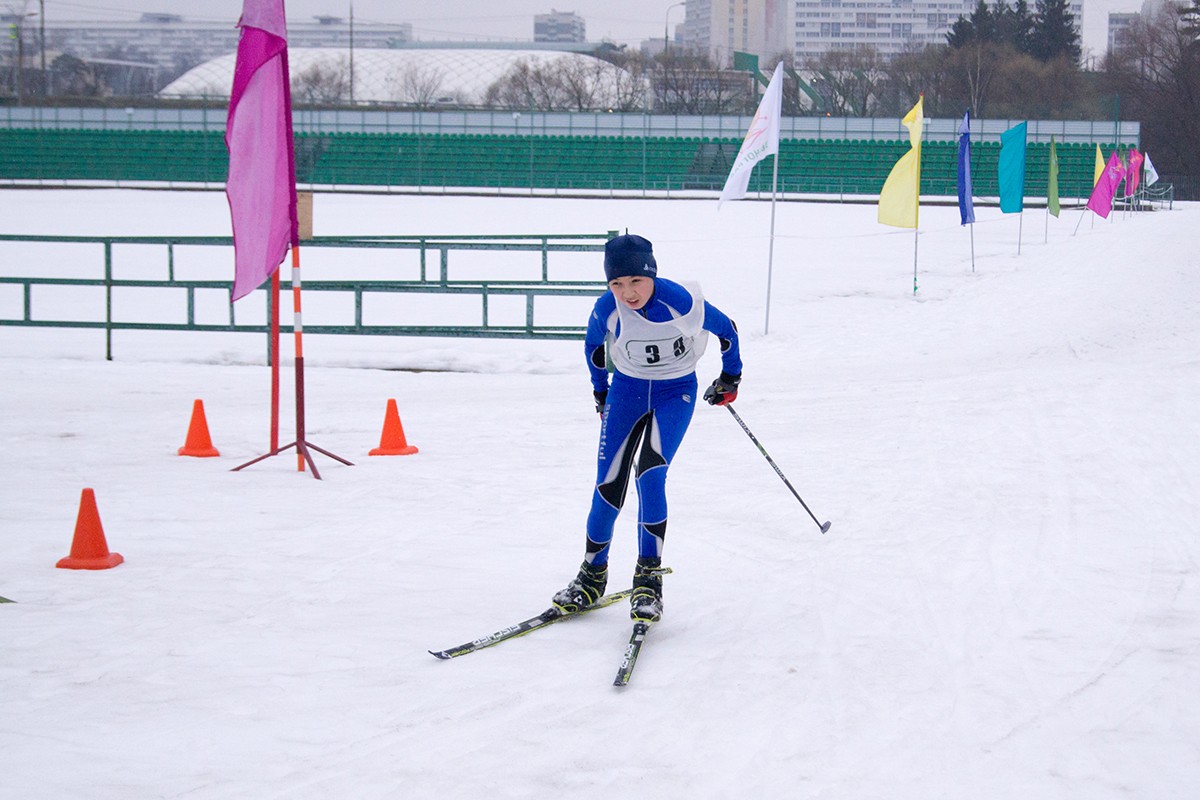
(601, 398)
(723, 390)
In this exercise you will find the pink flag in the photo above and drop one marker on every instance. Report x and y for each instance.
(1102, 196)
(261, 185)
(1135, 171)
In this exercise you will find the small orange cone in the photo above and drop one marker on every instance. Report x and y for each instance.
(198, 443)
(392, 442)
(89, 550)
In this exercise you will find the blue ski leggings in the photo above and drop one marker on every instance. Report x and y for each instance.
(654, 415)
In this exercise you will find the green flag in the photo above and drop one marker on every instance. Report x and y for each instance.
(1052, 181)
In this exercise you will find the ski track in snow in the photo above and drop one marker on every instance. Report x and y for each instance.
(1005, 606)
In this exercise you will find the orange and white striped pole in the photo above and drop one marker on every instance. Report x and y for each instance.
(298, 333)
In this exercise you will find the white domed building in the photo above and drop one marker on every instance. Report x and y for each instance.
(430, 77)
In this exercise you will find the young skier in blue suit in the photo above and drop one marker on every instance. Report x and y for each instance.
(654, 332)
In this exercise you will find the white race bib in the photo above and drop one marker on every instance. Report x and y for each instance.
(660, 350)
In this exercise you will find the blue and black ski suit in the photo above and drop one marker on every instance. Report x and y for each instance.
(650, 401)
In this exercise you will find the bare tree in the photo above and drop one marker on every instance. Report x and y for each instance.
(630, 80)
(688, 82)
(77, 78)
(528, 86)
(974, 68)
(853, 80)
(1157, 72)
(793, 104)
(582, 83)
(416, 86)
(323, 84)
(919, 70)
(567, 84)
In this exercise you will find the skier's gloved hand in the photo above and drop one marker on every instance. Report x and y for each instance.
(723, 390)
(601, 398)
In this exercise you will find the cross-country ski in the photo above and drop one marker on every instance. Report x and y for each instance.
(547, 617)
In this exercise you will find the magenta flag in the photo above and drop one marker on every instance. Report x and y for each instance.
(1135, 171)
(261, 185)
(1102, 196)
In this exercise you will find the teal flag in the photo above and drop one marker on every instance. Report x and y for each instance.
(1012, 169)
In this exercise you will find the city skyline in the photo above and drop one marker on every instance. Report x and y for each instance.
(622, 21)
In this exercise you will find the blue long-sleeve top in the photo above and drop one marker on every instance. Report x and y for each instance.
(670, 300)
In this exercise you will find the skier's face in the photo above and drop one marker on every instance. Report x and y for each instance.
(632, 290)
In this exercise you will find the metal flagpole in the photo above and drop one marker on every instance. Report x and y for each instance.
(771, 246)
(914, 260)
(1082, 214)
(916, 227)
(917, 188)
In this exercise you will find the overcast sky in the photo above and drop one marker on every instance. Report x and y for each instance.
(624, 21)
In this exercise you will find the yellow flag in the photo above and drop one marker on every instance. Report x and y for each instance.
(1100, 164)
(900, 199)
(914, 120)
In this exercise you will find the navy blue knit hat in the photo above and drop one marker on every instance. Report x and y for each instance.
(629, 255)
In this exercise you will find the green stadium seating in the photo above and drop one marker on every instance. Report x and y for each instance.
(487, 160)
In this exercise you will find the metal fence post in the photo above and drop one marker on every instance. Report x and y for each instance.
(108, 300)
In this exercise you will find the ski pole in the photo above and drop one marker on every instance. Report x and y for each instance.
(823, 526)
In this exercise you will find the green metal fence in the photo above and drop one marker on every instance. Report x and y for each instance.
(522, 270)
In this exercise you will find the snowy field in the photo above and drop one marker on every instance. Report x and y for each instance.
(1007, 604)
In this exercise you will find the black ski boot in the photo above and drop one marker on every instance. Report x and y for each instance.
(587, 587)
(646, 603)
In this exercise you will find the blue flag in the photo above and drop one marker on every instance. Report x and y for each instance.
(1012, 169)
(966, 205)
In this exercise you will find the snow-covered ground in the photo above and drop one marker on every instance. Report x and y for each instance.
(1005, 607)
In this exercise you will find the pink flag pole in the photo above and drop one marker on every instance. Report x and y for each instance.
(262, 192)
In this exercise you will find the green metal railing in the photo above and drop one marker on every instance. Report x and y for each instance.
(434, 269)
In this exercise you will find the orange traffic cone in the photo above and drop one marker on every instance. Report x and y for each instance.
(392, 442)
(89, 550)
(198, 443)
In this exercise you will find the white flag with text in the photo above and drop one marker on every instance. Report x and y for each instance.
(761, 140)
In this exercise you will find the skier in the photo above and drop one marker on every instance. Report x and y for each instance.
(658, 330)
